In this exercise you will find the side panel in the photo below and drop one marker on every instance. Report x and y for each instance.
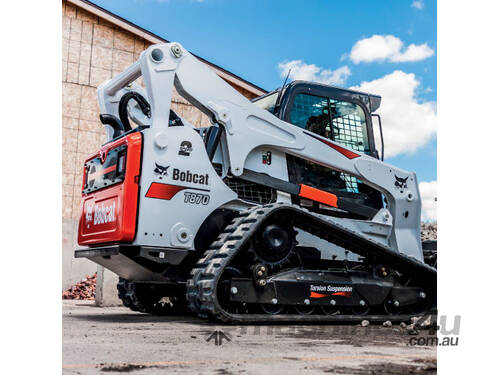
(109, 213)
(179, 188)
(268, 160)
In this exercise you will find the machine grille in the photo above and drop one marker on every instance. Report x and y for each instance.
(251, 192)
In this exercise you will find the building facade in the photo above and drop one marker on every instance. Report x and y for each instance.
(97, 45)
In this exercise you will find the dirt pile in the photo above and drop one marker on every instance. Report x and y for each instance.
(85, 289)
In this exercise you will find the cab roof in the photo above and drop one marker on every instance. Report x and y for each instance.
(371, 101)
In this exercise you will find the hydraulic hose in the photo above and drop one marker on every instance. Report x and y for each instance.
(123, 111)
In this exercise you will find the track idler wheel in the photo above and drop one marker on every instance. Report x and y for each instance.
(274, 243)
(304, 309)
(392, 307)
(421, 307)
(224, 290)
(362, 309)
(272, 309)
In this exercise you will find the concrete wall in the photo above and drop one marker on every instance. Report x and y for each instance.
(106, 293)
(93, 50)
(73, 269)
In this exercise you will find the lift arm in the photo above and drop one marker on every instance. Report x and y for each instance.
(247, 126)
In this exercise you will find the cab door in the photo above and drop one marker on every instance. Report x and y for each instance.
(338, 115)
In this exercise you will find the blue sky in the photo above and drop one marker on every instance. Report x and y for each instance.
(252, 38)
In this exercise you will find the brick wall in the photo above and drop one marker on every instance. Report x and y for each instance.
(94, 50)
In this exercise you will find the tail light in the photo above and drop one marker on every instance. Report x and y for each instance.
(99, 173)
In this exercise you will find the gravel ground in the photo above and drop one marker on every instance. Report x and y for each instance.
(428, 231)
(117, 340)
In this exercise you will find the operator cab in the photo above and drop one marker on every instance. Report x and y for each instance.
(342, 115)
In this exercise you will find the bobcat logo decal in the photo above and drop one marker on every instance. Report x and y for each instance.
(185, 148)
(160, 170)
(400, 182)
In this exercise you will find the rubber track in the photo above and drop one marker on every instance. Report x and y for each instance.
(139, 301)
(202, 286)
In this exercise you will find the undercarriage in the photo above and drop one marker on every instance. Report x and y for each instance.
(254, 272)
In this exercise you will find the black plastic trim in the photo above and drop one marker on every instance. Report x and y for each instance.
(276, 183)
(173, 256)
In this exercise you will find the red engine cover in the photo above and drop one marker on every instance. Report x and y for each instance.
(110, 191)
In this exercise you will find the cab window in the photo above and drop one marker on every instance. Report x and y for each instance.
(267, 102)
(340, 121)
(312, 113)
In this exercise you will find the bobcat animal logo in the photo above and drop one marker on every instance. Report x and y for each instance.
(400, 182)
(161, 170)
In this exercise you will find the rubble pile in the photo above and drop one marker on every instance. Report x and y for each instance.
(85, 289)
(428, 231)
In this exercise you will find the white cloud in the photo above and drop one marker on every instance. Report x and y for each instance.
(428, 194)
(418, 4)
(388, 47)
(310, 72)
(406, 123)
(414, 53)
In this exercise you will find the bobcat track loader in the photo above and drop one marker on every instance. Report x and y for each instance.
(281, 210)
